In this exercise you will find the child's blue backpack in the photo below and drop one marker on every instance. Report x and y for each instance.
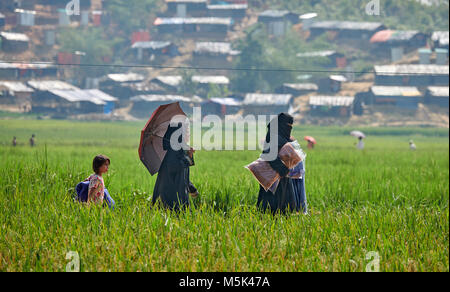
(82, 190)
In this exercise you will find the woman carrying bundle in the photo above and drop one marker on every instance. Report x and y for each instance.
(283, 200)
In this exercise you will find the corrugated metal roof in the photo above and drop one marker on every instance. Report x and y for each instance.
(77, 96)
(267, 99)
(403, 35)
(339, 78)
(438, 91)
(316, 54)
(47, 85)
(199, 20)
(170, 80)
(154, 45)
(347, 25)
(395, 91)
(143, 86)
(100, 95)
(160, 98)
(214, 48)
(228, 7)
(211, 80)
(441, 37)
(15, 86)
(129, 77)
(322, 100)
(412, 69)
(429, 2)
(196, 99)
(186, 1)
(226, 101)
(274, 13)
(8, 65)
(308, 15)
(209, 20)
(25, 11)
(302, 86)
(13, 36)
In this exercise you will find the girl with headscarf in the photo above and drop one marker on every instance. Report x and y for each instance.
(284, 198)
(172, 184)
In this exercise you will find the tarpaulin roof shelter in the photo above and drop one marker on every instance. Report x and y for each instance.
(46, 85)
(412, 69)
(438, 91)
(395, 91)
(220, 80)
(129, 77)
(15, 86)
(441, 38)
(218, 48)
(229, 101)
(14, 36)
(263, 99)
(160, 98)
(333, 101)
(154, 45)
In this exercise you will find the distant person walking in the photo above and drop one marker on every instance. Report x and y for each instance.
(360, 144)
(412, 146)
(14, 141)
(311, 142)
(32, 141)
(360, 135)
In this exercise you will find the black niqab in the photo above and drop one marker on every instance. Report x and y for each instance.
(168, 135)
(284, 122)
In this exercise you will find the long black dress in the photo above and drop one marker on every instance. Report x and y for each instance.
(284, 198)
(172, 184)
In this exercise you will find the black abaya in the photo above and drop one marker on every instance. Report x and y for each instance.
(172, 184)
(284, 198)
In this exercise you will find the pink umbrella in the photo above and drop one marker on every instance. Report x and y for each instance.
(310, 139)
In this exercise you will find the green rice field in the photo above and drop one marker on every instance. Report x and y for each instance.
(386, 201)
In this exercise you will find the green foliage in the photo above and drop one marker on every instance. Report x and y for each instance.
(188, 87)
(405, 14)
(260, 51)
(252, 56)
(131, 15)
(94, 43)
(217, 91)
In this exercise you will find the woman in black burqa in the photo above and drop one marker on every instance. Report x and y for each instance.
(284, 198)
(172, 184)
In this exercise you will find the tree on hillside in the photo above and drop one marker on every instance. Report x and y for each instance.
(92, 42)
(252, 57)
(131, 15)
(277, 59)
(405, 14)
